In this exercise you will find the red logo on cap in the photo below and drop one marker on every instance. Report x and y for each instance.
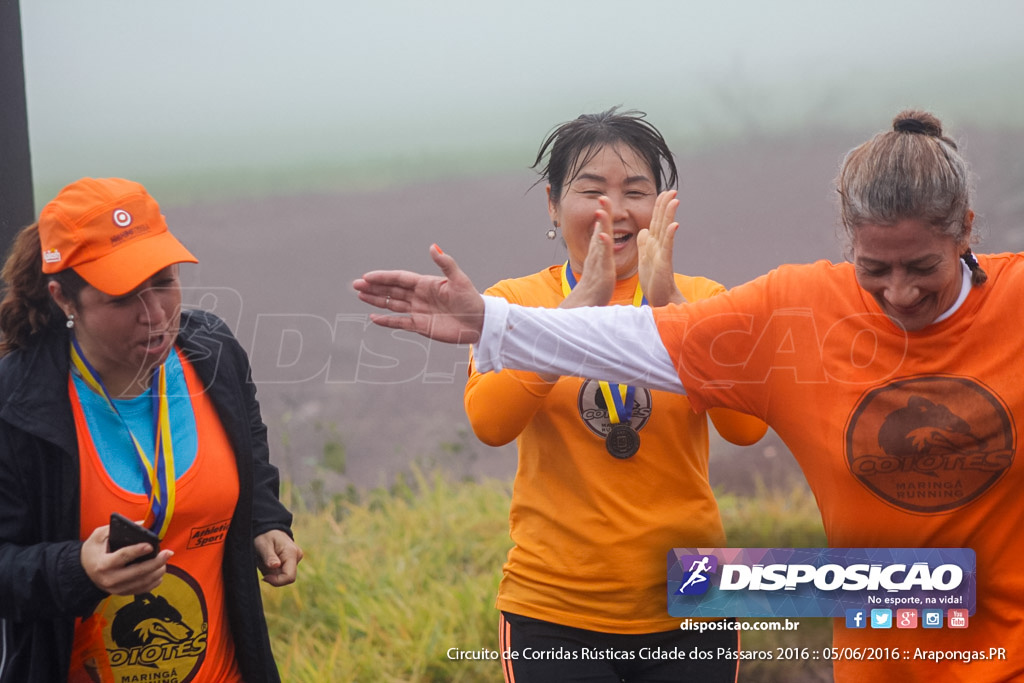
(122, 218)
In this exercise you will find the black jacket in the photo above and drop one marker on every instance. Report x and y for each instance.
(43, 586)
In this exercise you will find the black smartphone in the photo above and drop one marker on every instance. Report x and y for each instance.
(125, 532)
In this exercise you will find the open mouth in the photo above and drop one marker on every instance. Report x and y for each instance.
(156, 342)
(623, 238)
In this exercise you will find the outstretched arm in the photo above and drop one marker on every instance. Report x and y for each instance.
(448, 309)
(618, 343)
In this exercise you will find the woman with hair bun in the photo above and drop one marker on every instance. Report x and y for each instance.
(894, 379)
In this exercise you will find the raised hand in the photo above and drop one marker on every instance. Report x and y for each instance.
(657, 277)
(448, 309)
(597, 282)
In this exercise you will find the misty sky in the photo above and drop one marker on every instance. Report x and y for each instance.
(142, 88)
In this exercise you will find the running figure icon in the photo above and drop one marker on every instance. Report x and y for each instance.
(697, 570)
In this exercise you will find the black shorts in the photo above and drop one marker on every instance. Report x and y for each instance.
(535, 651)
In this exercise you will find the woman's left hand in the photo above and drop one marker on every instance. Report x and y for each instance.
(657, 276)
(278, 556)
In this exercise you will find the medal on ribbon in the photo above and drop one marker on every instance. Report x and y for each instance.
(622, 441)
(158, 477)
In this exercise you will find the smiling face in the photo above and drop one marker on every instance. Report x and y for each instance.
(911, 269)
(125, 337)
(619, 173)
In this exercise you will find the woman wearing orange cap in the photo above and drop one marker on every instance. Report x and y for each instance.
(114, 400)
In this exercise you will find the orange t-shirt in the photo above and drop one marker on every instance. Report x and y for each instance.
(592, 532)
(180, 629)
(906, 439)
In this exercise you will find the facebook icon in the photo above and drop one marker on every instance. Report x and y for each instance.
(856, 618)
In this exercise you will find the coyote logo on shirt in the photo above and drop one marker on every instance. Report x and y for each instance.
(147, 620)
(924, 428)
(161, 635)
(930, 444)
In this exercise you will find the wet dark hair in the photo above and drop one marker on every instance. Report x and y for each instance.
(571, 145)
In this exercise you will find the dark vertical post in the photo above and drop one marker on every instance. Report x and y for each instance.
(16, 202)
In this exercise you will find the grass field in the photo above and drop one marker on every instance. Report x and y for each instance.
(393, 578)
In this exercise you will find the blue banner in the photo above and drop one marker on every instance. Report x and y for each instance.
(818, 582)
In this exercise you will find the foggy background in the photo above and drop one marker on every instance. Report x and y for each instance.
(295, 145)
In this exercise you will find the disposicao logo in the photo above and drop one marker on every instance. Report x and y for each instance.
(819, 582)
(830, 577)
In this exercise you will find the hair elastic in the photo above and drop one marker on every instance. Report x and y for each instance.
(970, 259)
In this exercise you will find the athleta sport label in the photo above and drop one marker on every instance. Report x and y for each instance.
(817, 582)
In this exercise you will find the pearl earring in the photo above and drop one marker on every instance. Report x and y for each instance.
(71, 321)
(551, 234)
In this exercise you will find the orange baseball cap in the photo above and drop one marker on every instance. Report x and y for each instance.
(111, 232)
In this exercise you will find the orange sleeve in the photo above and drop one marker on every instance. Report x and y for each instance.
(739, 428)
(736, 427)
(499, 405)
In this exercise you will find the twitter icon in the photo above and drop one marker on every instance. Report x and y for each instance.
(881, 618)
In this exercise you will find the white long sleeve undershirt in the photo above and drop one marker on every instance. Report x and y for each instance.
(615, 343)
(619, 344)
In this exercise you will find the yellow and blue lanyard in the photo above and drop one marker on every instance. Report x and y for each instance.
(159, 480)
(618, 397)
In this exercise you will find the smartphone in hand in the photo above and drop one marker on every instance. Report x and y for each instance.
(125, 532)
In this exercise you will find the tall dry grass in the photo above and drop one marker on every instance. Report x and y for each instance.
(392, 580)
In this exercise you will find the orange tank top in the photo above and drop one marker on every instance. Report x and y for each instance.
(179, 632)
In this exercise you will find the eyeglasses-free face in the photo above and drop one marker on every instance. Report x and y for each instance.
(912, 271)
(619, 173)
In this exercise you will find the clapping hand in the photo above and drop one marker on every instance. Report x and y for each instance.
(657, 276)
(597, 281)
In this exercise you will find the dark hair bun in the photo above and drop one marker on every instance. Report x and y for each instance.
(919, 122)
